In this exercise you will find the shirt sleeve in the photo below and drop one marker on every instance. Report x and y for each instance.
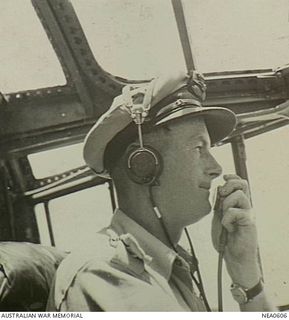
(78, 296)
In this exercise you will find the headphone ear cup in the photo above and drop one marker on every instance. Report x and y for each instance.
(144, 165)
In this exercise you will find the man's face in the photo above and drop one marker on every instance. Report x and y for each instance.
(189, 169)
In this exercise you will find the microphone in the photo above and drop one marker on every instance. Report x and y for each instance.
(221, 246)
(219, 211)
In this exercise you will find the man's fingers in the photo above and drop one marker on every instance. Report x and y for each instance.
(237, 199)
(233, 185)
(231, 176)
(234, 217)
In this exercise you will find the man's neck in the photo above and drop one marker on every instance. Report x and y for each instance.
(140, 209)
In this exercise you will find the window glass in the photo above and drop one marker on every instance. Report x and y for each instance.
(132, 39)
(76, 217)
(238, 35)
(139, 39)
(55, 161)
(268, 167)
(42, 224)
(27, 58)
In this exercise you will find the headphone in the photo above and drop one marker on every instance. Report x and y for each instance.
(144, 165)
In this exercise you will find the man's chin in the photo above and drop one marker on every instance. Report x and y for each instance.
(202, 213)
(207, 208)
(206, 212)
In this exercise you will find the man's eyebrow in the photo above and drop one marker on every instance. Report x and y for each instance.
(202, 139)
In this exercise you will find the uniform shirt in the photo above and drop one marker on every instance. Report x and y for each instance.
(125, 269)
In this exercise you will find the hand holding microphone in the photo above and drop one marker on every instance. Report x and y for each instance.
(234, 231)
(231, 209)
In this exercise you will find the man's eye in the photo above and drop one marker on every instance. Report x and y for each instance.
(199, 148)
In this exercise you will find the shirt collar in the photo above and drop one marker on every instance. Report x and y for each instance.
(162, 256)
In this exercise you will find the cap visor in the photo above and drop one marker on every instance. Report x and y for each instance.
(220, 121)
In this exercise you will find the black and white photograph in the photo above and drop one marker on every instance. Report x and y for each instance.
(144, 162)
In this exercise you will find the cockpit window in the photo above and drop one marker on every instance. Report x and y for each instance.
(238, 35)
(268, 168)
(132, 39)
(28, 60)
(75, 218)
(139, 39)
(52, 162)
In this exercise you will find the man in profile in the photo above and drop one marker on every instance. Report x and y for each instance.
(155, 142)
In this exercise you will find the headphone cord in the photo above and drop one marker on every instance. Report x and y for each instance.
(222, 245)
(158, 214)
(199, 282)
(221, 248)
(220, 289)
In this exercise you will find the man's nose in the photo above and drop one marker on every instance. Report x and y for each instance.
(213, 169)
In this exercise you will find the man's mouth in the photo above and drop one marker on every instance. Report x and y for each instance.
(206, 186)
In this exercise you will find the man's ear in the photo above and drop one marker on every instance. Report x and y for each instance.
(132, 146)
